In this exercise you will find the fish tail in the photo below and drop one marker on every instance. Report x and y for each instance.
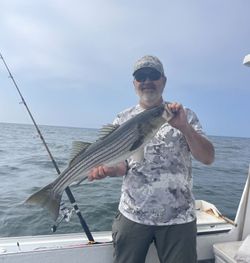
(46, 197)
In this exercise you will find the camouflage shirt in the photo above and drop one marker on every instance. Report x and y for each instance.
(158, 190)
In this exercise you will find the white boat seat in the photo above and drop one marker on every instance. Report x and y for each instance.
(233, 252)
(225, 252)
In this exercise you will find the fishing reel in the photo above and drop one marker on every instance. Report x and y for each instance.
(65, 214)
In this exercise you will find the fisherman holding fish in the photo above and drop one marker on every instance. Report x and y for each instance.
(151, 146)
(157, 204)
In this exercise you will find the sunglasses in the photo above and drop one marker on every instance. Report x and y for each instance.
(152, 75)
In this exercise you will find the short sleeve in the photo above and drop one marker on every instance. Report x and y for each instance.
(194, 122)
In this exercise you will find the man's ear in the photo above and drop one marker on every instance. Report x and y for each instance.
(134, 82)
(165, 80)
(136, 90)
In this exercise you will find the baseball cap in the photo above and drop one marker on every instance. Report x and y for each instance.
(149, 62)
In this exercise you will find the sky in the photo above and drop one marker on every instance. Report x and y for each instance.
(73, 60)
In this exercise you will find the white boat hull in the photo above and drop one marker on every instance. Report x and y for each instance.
(63, 247)
(212, 228)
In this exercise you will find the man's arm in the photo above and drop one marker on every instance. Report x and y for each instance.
(201, 148)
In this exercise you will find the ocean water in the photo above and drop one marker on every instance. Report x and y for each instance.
(25, 167)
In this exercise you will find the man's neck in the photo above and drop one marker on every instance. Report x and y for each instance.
(146, 105)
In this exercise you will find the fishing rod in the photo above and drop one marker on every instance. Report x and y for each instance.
(67, 190)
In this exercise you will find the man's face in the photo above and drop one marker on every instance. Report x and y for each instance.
(149, 85)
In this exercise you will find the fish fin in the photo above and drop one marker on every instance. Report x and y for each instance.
(106, 130)
(77, 147)
(47, 198)
(138, 156)
(137, 143)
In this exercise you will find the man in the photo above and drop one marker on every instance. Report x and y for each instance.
(156, 202)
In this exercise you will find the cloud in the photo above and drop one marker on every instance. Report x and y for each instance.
(68, 49)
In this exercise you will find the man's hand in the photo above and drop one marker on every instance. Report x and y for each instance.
(179, 121)
(201, 148)
(103, 171)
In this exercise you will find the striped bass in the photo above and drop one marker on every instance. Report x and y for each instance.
(116, 144)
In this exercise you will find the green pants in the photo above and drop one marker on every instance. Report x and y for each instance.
(174, 244)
